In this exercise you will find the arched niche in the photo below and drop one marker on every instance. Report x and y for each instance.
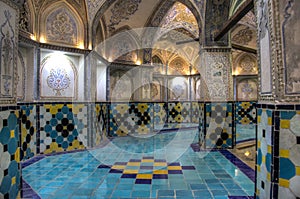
(122, 47)
(245, 64)
(60, 24)
(247, 89)
(58, 77)
(178, 66)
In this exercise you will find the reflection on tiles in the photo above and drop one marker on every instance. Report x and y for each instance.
(170, 169)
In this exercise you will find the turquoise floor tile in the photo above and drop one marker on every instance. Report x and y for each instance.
(165, 193)
(202, 194)
(140, 194)
(121, 194)
(184, 193)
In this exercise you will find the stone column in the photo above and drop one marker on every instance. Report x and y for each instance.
(278, 111)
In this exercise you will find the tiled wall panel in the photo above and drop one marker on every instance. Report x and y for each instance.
(179, 112)
(132, 118)
(289, 153)
(101, 110)
(63, 127)
(195, 112)
(218, 125)
(201, 124)
(160, 115)
(9, 153)
(245, 121)
(28, 118)
(264, 152)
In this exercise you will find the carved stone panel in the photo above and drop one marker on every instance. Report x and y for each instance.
(8, 50)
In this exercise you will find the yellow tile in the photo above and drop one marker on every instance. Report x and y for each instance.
(147, 160)
(285, 124)
(298, 171)
(284, 183)
(270, 149)
(130, 171)
(17, 155)
(136, 164)
(144, 176)
(258, 119)
(258, 144)
(269, 121)
(118, 167)
(160, 164)
(264, 159)
(13, 181)
(284, 153)
(269, 177)
(258, 168)
(12, 133)
(160, 172)
(174, 168)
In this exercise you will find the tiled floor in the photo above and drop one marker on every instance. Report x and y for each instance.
(160, 166)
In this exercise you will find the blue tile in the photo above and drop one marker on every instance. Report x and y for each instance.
(121, 193)
(202, 194)
(198, 186)
(164, 193)
(141, 194)
(184, 193)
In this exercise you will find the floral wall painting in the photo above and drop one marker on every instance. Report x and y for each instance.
(7, 50)
(246, 89)
(58, 77)
(291, 45)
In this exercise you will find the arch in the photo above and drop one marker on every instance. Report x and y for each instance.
(122, 45)
(160, 12)
(59, 15)
(58, 77)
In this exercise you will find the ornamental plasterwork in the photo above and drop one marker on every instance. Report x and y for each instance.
(291, 47)
(61, 27)
(179, 16)
(121, 10)
(24, 17)
(217, 77)
(243, 36)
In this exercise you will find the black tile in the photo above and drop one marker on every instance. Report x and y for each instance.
(263, 133)
(298, 140)
(286, 107)
(262, 185)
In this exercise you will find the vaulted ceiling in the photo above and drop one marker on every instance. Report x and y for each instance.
(90, 22)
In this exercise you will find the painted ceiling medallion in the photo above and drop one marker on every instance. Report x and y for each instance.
(243, 37)
(121, 11)
(58, 80)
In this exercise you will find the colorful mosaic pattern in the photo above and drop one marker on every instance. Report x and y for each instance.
(218, 125)
(28, 131)
(179, 112)
(9, 154)
(264, 152)
(201, 124)
(195, 112)
(63, 127)
(245, 121)
(132, 118)
(245, 113)
(146, 169)
(289, 154)
(160, 114)
(101, 122)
